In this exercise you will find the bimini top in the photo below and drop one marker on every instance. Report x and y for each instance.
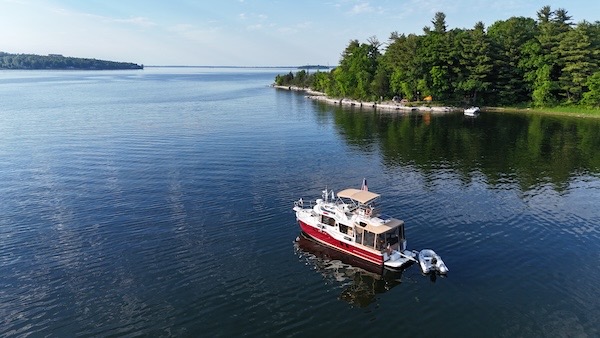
(361, 196)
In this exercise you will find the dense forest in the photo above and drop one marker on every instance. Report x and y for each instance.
(540, 62)
(56, 61)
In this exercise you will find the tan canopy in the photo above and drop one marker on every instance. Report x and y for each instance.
(361, 196)
(381, 228)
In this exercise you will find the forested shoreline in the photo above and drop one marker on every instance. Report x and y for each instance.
(57, 61)
(544, 62)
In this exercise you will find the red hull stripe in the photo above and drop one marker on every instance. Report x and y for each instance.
(349, 248)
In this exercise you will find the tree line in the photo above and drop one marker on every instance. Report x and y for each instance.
(543, 62)
(56, 61)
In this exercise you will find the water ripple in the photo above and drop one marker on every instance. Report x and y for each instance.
(166, 211)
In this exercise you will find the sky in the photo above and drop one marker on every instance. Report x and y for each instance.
(239, 32)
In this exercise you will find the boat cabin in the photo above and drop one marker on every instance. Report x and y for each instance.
(366, 225)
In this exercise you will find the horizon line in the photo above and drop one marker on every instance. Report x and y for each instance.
(207, 66)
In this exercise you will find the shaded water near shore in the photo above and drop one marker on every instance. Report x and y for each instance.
(158, 202)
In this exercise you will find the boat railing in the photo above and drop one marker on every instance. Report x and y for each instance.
(304, 204)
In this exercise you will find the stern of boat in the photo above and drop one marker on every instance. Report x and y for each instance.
(398, 259)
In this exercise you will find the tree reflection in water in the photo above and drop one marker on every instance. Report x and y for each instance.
(524, 149)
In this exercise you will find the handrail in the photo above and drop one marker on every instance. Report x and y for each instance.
(300, 203)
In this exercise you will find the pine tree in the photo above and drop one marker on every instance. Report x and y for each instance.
(513, 51)
(576, 59)
(592, 97)
(404, 64)
(436, 58)
(475, 61)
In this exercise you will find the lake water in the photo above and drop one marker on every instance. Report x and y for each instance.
(158, 202)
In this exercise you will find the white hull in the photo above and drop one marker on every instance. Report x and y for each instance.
(473, 111)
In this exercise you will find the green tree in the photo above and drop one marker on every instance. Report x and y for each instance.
(475, 61)
(592, 97)
(380, 87)
(436, 57)
(543, 61)
(553, 25)
(284, 80)
(510, 41)
(301, 78)
(577, 59)
(405, 65)
(439, 23)
(322, 81)
(357, 68)
(544, 87)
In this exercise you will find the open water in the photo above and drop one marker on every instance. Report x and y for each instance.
(158, 202)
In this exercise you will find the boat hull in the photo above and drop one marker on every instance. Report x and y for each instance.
(348, 247)
(473, 111)
(326, 252)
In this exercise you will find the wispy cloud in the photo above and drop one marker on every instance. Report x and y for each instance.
(364, 7)
(300, 27)
(255, 21)
(253, 16)
(194, 33)
(255, 27)
(137, 21)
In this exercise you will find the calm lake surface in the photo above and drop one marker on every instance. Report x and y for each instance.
(159, 202)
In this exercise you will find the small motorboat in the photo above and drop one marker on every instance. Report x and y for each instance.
(472, 111)
(431, 262)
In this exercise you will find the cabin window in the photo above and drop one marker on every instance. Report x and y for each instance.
(343, 228)
(359, 235)
(328, 220)
(380, 243)
(391, 237)
(369, 239)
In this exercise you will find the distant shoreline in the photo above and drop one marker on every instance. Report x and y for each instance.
(230, 67)
(9, 61)
(237, 67)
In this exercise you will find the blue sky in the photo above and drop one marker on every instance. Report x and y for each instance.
(238, 32)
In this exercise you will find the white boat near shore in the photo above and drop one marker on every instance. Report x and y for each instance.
(472, 111)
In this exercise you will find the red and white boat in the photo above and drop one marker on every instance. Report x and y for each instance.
(351, 223)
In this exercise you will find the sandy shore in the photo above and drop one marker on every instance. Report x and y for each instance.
(385, 105)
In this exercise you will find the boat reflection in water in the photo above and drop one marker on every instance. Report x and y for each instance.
(361, 281)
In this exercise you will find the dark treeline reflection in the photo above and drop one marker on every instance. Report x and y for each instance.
(528, 149)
